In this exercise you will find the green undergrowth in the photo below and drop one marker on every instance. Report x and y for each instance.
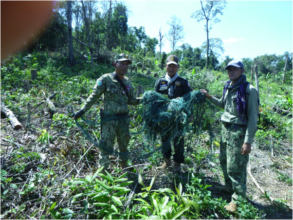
(29, 176)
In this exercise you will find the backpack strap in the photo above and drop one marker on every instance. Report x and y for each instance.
(122, 84)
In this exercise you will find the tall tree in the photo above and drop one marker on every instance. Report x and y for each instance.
(175, 33)
(161, 36)
(119, 25)
(208, 12)
(215, 46)
(69, 27)
(87, 26)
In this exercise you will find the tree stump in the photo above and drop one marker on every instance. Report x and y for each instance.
(34, 74)
(140, 90)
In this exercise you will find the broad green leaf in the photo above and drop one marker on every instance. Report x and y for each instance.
(143, 201)
(77, 195)
(119, 188)
(88, 179)
(193, 72)
(154, 217)
(68, 211)
(121, 180)
(120, 193)
(179, 212)
(55, 215)
(117, 200)
(152, 182)
(167, 190)
(78, 182)
(100, 204)
(155, 204)
(109, 175)
(67, 216)
(120, 177)
(114, 208)
(165, 200)
(180, 189)
(106, 177)
(144, 194)
(140, 180)
(3, 174)
(126, 183)
(53, 206)
(102, 184)
(97, 172)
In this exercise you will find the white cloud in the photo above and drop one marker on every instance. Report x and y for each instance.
(231, 40)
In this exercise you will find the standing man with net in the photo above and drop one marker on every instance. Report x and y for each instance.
(239, 124)
(174, 86)
(117, 93)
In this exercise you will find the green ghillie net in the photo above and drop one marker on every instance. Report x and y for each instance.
(161, 116)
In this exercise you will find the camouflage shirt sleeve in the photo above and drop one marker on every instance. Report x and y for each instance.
(98, 90)
(132, 100)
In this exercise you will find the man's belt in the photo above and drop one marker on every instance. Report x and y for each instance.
(235, 126)
(112, 116)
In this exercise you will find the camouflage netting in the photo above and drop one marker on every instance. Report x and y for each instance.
(160, 115)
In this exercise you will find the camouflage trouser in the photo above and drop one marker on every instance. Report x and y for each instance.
(233, 163)
(178, 142)
(110, 130)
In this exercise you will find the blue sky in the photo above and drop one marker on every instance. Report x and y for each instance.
(247, 28)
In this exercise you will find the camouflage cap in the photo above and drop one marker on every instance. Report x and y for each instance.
(172, 59)
(122, 57)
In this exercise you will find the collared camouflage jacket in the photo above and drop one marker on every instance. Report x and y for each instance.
(114, 98)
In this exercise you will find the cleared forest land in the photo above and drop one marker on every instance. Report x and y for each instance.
(50, 170)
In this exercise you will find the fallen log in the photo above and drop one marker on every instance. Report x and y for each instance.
(282, 111)
(12, 118)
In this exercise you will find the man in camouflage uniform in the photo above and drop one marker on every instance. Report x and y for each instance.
(239, 124)
(175, 87)
(116, 96)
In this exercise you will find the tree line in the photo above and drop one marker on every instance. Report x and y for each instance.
(95, 30)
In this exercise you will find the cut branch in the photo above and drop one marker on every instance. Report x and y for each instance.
(52, 108)
(282, 111)
(12, 118)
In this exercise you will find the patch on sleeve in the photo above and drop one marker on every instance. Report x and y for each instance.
(128, 87)
(99, 83)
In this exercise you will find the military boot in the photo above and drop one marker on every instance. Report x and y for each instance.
(232, 207)
(166, 164)
(123, 164)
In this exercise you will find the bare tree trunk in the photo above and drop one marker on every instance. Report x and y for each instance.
(109, 39)
(256, 77)
(251, 73)
(283, 80)
(140, 90)
(87, 32)
(208, 43)
(160, 41)
(34, 74)
(69, 28)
